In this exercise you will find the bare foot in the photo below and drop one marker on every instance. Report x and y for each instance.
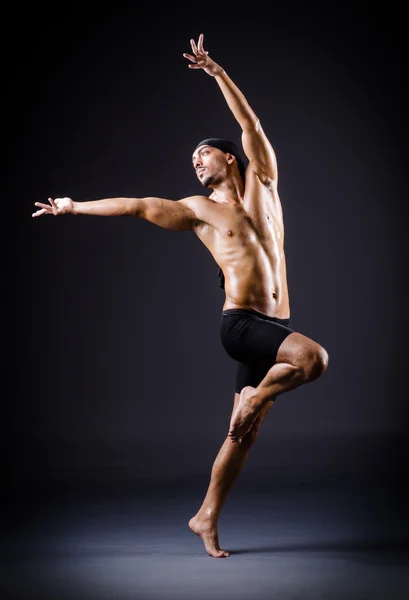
(244, 416)
(208, 532)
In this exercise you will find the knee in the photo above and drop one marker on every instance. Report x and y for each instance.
(317, 362)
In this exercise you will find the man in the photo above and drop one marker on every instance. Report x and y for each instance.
(241, 223)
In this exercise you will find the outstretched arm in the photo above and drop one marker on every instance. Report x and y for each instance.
(256, 145)
(169, 214)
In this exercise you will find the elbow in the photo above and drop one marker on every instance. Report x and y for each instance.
(134, 207)
(251, 124)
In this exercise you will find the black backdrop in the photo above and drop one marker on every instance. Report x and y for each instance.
(116, 364)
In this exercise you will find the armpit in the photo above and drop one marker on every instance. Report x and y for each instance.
(262, 173)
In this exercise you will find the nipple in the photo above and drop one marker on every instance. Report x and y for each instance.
(229, 232)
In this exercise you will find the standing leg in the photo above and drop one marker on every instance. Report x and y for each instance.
(299, 361)
(226, 467)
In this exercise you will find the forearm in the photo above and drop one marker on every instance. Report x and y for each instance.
(168, 214)
(236, 101)
(108, 207)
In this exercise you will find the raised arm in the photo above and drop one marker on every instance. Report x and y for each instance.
(169, 214)
(256, 145)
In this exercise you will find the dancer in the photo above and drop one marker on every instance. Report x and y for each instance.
(241, 224)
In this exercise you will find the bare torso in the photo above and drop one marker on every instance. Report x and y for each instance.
(246, 239)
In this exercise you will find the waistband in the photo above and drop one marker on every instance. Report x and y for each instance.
(253, 313)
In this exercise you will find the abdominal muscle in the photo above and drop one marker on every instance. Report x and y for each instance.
(248, 247)
(254, 276)
(258, 283)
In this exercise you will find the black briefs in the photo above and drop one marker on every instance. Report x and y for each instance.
(221, 279)
(252, 340)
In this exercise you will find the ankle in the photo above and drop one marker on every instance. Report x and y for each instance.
(208, 515)
(259, 396)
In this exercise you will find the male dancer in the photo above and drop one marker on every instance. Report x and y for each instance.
(241, 224)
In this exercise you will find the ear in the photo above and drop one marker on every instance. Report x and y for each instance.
(230, 158)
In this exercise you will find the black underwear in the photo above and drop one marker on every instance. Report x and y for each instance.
(252, 340)
(221, 279)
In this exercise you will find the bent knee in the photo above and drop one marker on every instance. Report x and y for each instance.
(317, 362)
(310, 360)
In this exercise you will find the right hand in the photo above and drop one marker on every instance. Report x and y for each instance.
(201, 58)
(58, 206)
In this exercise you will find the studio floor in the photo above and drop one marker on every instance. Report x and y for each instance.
(294, 540)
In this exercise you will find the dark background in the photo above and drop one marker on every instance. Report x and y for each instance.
(117, 370)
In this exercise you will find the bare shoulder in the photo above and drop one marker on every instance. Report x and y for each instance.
(195, 201)
(201, 206)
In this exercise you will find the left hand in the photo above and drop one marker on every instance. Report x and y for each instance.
(201, 58)
(58, 206)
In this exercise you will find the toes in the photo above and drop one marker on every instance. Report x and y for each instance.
(234, 436)
(221, 554)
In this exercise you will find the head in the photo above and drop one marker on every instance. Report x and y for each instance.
(214, 159)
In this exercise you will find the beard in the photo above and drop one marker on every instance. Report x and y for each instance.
(211, 180)
(207, 180)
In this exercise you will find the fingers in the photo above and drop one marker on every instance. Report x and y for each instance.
(199, 57)
(45, 209)
(51, 201)
(38, 213)
(194, 47)
(189, 57)
(200, 43)
(193, 58)
(198, 61)
(199, 49)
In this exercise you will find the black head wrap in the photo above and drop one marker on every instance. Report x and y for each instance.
(226, 146)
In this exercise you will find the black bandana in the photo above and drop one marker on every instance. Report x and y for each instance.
(226, 146)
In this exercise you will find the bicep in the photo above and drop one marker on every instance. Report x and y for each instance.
(260, 153)
(168, 214)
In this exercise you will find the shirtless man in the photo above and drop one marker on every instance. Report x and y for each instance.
(241, 224)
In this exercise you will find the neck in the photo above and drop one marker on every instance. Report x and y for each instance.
(230, 191)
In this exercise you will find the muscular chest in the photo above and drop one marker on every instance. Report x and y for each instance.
(238, 226)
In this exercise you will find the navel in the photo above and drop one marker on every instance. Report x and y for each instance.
(274, 296)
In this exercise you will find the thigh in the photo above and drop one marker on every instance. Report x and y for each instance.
(296, 348)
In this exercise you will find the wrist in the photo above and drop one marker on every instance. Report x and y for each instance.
(218, 71)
